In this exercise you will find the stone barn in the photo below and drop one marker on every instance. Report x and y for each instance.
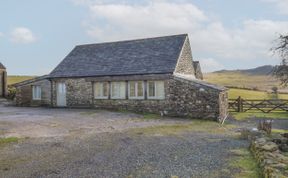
(3, 80)
(155, 75)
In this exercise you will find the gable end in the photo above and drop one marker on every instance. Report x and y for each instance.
(184, 64)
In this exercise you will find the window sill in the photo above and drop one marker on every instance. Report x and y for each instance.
(136, 98)
(155, 98)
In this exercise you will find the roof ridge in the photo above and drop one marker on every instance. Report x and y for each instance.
(132, 40)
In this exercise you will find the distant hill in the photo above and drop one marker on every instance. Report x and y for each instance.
(262, 70)
(258, 78)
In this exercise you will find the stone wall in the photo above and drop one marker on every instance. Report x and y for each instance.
(79, 92)
(3, 83)
(197, 69)
(185, 61)
(24, 94)
(194, 99)
(182, 98)
(271, 159)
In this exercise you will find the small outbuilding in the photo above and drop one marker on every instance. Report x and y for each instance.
(155, 75)
(3, 80)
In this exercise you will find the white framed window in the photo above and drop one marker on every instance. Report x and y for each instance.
(118, 90)
(36, 92)
(136, 90)
(101, 90)
(155, 90)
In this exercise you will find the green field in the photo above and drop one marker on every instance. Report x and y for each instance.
(242, 80)
(12, 79)
(251, 94)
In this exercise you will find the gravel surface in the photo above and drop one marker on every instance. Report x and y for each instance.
(121, 155)
(82, 143)
(49, 122)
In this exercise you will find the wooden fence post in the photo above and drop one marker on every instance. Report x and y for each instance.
(239, 104)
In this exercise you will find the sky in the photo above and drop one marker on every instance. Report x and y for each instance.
(35, 36)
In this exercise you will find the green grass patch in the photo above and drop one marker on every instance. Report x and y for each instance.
(4, 141)
(279, 131)
(16, 79)
(193, 126)
(151, 116)
(259, 114)
(245, 162)
(251, 94)
(242, 80)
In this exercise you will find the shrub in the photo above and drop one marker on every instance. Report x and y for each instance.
(11, 92)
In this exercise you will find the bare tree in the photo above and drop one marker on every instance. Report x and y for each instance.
(281, 48)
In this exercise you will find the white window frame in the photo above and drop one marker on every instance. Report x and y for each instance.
(155, 89)
(111, 90)
(102, 90)
(36, 92)
(136, 90)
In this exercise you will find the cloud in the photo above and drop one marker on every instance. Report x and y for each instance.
(210, 65)
(282, 5)
(210, 39)
(130, 21)
(22, 35)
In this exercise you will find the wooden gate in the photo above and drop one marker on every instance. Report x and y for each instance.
(265, 106)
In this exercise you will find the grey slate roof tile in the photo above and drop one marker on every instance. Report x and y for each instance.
(144, 56)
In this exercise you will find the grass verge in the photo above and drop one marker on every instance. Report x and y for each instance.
(193, 126)
(245, 163)
(4, 141)
(248, 115)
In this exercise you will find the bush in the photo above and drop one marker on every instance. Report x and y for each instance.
(11, 92)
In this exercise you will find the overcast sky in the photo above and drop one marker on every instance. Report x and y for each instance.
(232, 34)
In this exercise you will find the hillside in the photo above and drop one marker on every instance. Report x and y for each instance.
(262, 70)
(11, 79)
(259, 78)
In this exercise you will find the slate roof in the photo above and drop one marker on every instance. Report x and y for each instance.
(145, 56)
(2, 66)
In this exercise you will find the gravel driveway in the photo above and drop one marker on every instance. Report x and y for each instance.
(89, 143)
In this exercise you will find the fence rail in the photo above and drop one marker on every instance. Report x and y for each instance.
(265, 106)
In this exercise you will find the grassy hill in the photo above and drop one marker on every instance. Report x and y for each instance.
(250, 84)
(15, 79)
(244, 80)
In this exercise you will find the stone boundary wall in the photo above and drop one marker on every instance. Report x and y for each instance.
(271, 159)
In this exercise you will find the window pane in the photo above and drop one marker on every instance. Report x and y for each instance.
(105, 89)
(140, 89)
(97, 90)
(160, 89)
(132, 89)
(36, 92)
(151, 89)
(122, 90)
(114, 89)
